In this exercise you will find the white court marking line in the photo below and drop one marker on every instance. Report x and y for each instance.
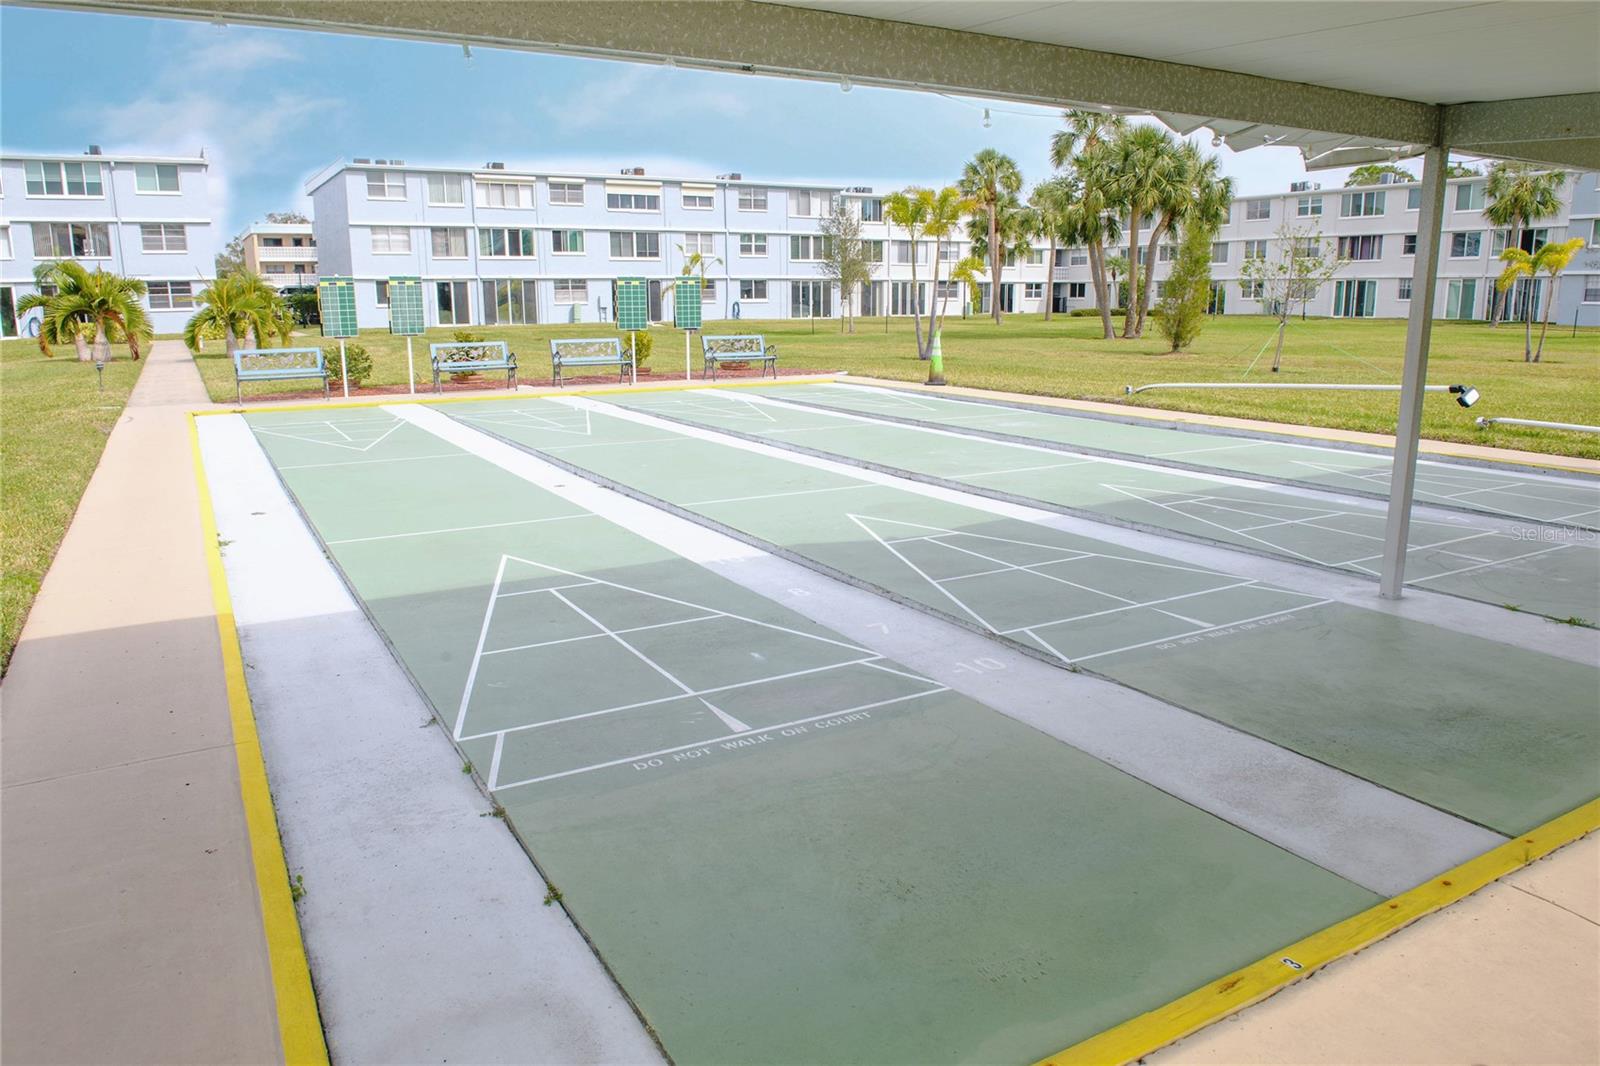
(952, 597)
(494, 762)
(1197, 633)
(1217, 448)
(458, 529)
(779, 495)
(1152, 603)
(713, 740)
(1575, 514)
(1419, 547)
(522, 415)
(1496, 562)
(1380, 476)
(722, 716)
(1182, 617)
(1216, 525)
(587, 636)
(872, 661)
(1029, 569)
(350, 446)
(477, 655)
(370, 462)
(545, 588)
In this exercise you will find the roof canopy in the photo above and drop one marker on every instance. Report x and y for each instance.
(1345, 82)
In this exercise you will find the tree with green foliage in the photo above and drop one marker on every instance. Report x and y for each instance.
(1143, 170)
(1461, 170)
(1182, 310)
(993, 182)
(1054, 202)
(844, 258)
(1550, 259)
(1015, 225)
(908, 209)
(1116, 270)
(1195, 193)
(945, 210)
(1293, 275)
(83, 304)
(235, 307)
(1081, 148)
(1373, 174)
(1517, 195)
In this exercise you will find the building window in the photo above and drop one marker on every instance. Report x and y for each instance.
(708, 290)
(1367, 246)
(155, 177)
(752, 244)
(449, 242)
(1166, 253)
(950, 252)
(1219, 251)
(1361, 204)
(391, 240)
(703, 244)
(498, 241)
(566, 192)
(1460, 297)
(1466, 245)
(874, 251)
(698, 199)
(806, 203)
(752, 199)
(386, 185)
(1469, 197)
(509, 302)
(447, 190)
(1077, 290)
(1307, 247)
(163, 237)
(276, 268)
(381, 293)
(1594, 234)
(502, 194)
(1591, 289)
(1255, 249)
(571, 291)
(626, 245)
(809, 249)
(49, 178)
(1035, 255)
(753, 290)
(1414, 198)
(633, 201)
(1354, 299)
(872, 210)
(810, 299)
(167, 295)
(1078, 257)
(5, 242)
(1404, 289)
(1408, 244)
(1252, 290)
(71, 240)
(454, 307)
(1033, 290)
(1308, 206)
(566, 241)
(1256, 210)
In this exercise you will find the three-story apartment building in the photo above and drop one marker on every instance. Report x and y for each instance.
(147, 217)
(513, 246)
(284, 253)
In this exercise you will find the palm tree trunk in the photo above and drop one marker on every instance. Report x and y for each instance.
(916, 305)
(1544, 320)
(1050, 279)
(102, 344)
(230, 341)
(1527, 326)
(82, 346)
(1133, 274)
(1149, 275)
(994, 261)
(1097, 275)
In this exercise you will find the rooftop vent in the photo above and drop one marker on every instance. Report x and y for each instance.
(1304, 186)
(494, 166)
(94, 149)
(733, 176)
(363, 160)
(633, 172)
(397, 162)
(859, 188)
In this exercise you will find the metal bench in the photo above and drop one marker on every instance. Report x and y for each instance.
(469, 357)
(738, 348)
(277, 364)
(589, 351)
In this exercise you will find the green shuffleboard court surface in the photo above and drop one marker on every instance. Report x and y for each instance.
(686, 305)
(1469, 555)
(1500, 736)
(1504, 489)
(405, 307)
(786, 847)
(336, 304)
(633, 304)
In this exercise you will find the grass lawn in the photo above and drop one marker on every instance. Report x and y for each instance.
(1067, 357)
(53, 427)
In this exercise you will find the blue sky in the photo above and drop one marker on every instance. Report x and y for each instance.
(272, 107)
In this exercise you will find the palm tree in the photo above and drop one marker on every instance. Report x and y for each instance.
(1015, 225)
(1518, 194)
(991, 179)
(1200, 198)
(908, 209)
(1116, 270)
(101, 304)
(942, 213)
(238, 305)
(1143, 165)
(1082, 147)
(694, 265)
(1550, 259)
(1054, 200)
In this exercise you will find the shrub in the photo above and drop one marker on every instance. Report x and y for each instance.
(1094, 312)
(358, 363)
(1182, 310)
(463, 336)
(303, 305)
(646, 343)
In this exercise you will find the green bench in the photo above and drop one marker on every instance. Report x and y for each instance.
(278, 364)
(738, 348)
(469, 357)
(575, 352)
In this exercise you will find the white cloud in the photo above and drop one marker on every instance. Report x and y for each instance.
(617, 97)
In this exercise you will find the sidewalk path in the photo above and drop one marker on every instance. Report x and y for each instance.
(129, 918)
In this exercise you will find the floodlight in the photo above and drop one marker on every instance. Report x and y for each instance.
(1216, 140)
(986, 122)
(1465, 395)
(845, 84)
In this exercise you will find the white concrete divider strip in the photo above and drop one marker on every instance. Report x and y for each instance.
(1367, 834)
(1528, 632)
(422, 917)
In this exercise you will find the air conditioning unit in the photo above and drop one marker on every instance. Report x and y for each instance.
(1303, 186)
(494, 166)
(94, 149)
(361, 161)
(860, 188)
(731, 176)
(633, 172)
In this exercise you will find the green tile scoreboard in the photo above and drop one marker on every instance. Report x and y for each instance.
(405, 306)
(686, 302)
(633, 304)
(336, 300)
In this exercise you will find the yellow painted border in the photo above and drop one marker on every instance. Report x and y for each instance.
(536, 394)
(299, 1025)
(1140, 1036)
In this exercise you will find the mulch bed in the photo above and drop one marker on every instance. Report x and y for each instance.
(482, 383)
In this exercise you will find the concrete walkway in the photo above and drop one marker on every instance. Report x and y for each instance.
(129, 918)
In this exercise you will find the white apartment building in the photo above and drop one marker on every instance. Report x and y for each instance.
(284, 253)
(496, 245)
(147, 217)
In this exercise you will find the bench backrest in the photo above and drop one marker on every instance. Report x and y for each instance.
(596, 348)
(469, 353)
(734, 344)
(247, 361)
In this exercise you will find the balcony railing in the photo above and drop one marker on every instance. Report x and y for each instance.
(278, 255)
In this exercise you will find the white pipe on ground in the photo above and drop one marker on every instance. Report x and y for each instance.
(1537, 424)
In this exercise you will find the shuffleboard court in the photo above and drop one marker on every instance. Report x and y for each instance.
(786, 847)
(1464, 554)
(1506, 489)
(1500, 736)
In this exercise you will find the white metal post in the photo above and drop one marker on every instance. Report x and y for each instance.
(344, 370)
(686, 372)
(411, 367)
(1419, 331)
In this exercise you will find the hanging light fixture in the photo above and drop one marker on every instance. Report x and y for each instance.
(986, 122)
